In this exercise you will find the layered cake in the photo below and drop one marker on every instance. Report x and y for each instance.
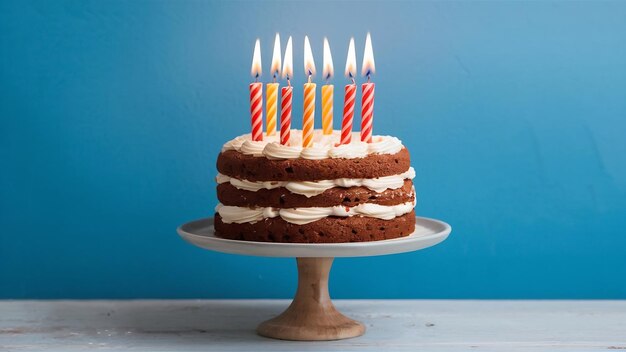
(326, 193)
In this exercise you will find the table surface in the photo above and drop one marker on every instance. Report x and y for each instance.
(393, 325)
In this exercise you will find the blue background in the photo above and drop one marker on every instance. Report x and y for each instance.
(113, 113)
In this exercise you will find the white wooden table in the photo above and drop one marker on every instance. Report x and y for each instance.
(393, 325)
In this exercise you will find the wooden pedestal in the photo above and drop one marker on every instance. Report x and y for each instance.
(311, 315)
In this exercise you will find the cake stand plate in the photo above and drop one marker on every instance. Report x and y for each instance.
(311, 315)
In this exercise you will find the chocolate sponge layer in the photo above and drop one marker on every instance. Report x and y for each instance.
(235, 164)
(326, 230)
(283, 198)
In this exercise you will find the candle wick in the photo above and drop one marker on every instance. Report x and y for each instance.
(309, 77)
(352, 78)
(368, 77)
(274, 77)
(288, 82)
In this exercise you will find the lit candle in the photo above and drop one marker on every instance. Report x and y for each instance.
(286, 96)
(367, 91)
(256, 95)
(272, 90)
(308, 116)
(327, 91)
(349, 97)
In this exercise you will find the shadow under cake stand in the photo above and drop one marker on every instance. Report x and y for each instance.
(312, 315)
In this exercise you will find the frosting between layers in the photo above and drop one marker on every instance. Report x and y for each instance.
(301, 216)
(324, 146)
(314, 188)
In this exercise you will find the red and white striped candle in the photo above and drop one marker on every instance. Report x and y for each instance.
(349, 97)
(367, 91)
(256, 110)
(256, 96)
(367, 111)
(285, 114)
(327, 91)
(286, 96)
(348, 113)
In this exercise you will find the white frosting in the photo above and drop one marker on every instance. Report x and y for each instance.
(235, 144)
(277, 151)
(384, 145)
(313, 188)
(254, 148)
(315, 152)
(349, 151)
(324, 146)
(301, 216)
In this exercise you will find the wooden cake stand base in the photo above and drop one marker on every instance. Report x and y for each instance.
(311, 315)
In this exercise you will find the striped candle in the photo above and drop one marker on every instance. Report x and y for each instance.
(272, 90)
(367, 111)
(285, 114)
(256, 95)
(348, 113)
(286, 95)
(367, 92)
(327, 91)
(327, 108)
(349, 96)
(309, 114)
(256, 110)
(271, 101)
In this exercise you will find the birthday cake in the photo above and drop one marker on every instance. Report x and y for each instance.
(325, 193)
(313, 186)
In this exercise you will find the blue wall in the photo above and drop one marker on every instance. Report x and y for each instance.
(113, 113)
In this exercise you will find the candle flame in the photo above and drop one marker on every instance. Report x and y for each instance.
(256, 60)
(328, 70)
(288, 61)
(275, 69)
(309, 64)
(351, 60)
(369, 66)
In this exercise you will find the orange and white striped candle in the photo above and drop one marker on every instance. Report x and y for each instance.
(271, 98)
(308, 116)
(327, 91)
(349, 97)
(256, 96)
(286, 97)
(367, 89)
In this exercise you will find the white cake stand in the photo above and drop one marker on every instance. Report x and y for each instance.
(312, 315)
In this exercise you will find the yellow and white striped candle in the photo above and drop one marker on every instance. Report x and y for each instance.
(272, 90)
(270, 105)
(308, 117)
(327, 108)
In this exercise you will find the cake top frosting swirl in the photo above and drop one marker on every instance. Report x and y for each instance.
(324, 146)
